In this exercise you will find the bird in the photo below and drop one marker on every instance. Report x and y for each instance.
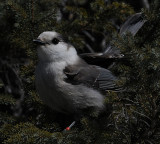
(70, 83)
(67, 83)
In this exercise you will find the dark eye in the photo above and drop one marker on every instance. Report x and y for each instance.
(55, 41)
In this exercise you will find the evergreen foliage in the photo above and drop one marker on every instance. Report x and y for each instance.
(89, 26)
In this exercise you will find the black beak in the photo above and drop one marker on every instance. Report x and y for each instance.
(39, 42)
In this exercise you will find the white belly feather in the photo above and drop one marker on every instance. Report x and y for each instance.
(62, 96)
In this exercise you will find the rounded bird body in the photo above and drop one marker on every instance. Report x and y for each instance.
(64, 81)
(60, 95)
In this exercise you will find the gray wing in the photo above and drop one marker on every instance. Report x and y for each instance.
(105, 59)
(91, 76)
(133, 24)
(112, 54)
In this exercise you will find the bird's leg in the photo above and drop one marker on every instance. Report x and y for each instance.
(69, 127)
(77, 117)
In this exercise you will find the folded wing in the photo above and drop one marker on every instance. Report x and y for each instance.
(91, 76)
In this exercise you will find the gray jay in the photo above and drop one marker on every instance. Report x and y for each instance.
(68, 84)
(64, 81)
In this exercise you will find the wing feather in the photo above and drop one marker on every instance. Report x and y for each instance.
(91, 76)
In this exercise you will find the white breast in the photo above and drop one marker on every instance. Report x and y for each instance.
(62, 96)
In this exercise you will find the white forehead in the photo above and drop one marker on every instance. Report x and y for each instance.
(48, 35)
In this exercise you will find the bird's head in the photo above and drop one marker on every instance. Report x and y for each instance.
(53, 47)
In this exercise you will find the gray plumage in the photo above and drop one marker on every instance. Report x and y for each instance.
(64, 81)
(133, 24)
(91, 76)
(111, 54)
